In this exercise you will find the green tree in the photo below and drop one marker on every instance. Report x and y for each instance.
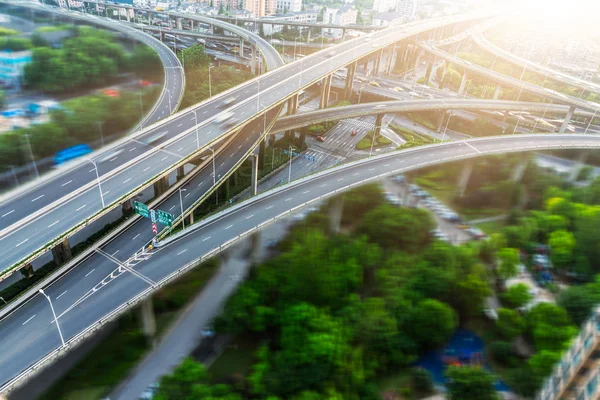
(432, 323)
(470, 383)
(517, 295)
(508, 262)
(562, 244)
(510, 324)
(578, 301)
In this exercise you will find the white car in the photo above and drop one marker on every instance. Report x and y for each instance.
(224, 117)
(228, 101)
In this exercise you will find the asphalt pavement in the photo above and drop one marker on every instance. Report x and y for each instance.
(93, 289)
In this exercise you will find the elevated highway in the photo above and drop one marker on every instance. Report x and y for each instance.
(470, 68)
(527, 65)
(93, 293)
(30, 230)
(270, 21)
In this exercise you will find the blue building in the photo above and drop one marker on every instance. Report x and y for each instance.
(12, 64)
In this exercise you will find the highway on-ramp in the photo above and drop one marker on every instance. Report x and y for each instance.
(95, 292)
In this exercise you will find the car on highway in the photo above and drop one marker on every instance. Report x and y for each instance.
(71, 153)
(110, 156)
(228, 101)
(320, 138)
(373, 83)
(331, 53)
(156, 137)
(398, 89)
(354, 132)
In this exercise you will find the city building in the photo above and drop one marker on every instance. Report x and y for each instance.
(70, 4)
(285, 6)
(300, 16)
(261, 8)
(12, 64)
(228, 5)
(383, 6)
(408, 8)
(387, 19)
(577, 375)
(344, 15)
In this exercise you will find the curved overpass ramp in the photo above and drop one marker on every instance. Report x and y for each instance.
(556, 76)
(555, 96)
(30, 340)
(37, 227)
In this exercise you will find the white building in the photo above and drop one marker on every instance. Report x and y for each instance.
(285, 6)
(407, 7)
(383, 6)
(300, 16)
(344, 15)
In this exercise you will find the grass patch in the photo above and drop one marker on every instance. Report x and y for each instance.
(7, 31)
(54, 28)
(367, 141)
(115, 356)
(236, 359)
(491, 226)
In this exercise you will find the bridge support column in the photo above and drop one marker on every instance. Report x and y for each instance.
(497, 92)
(463, 83)
(579, 164)
(377, 62)
(148, 320)
(292, 105)
(349, 81)
(161, 186)
(61, 253)
(241, 54)
(418, 61)
(378, 121)
(191, 25)
(27, 271)
(325, 89)
(128, 16)
(463, 179)
(126, 208)
(261, 153)
(180, 173)
(567, 119)
(335, 210)
(254, 183)
(519, 170)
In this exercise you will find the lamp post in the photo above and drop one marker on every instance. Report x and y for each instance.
(62, 340)
(591, 119)
(290, 170)
(37, 174)
(213, 163)
(446, 127)
(209, 81)
(181, 205)
(98, 180)
(169, 94)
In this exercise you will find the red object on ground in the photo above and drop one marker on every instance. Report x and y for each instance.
(111, 92)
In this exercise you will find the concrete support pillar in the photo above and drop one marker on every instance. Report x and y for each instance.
(126, 207)
(335, 210)
(418, 61)
(463, 83)
(579, 164)
(253, 63)
(349, 81)
(61, 253)
(241, 47)
(567, 119)
(497, 92)
(27, 271)
(148, 320)
(378, 121)
(162, 36)
(261, 154)
(378, 58)
(519, 171)
(254, 247)
(325, 89)
(128, 16)
(180, 173)
(441, 121)
(463, 179)
(254, 183)
(191, 25)
(292, 105)
(161, 186)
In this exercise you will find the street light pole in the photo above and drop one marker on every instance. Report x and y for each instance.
(37, 174)
(62, 340)
(591, 119)
(181, 204)
(197, 137)
(213, 163)
(373, 139)
(446, 127)
(98, 179)
(209, 82)
(290, 170)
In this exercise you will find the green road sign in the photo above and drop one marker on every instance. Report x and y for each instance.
(165, 218)
(141, 208)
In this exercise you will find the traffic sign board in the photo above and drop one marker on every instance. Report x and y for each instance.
(165, 218)
(153, 216)
(141, 208)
